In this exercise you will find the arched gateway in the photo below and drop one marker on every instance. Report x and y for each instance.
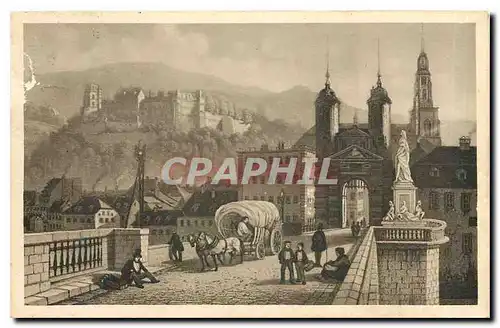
(355, 202)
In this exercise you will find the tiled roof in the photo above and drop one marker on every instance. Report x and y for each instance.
(87, 205)
(452, 167)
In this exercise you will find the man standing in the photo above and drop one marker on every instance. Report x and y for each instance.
(243, 231)
(135, 271)
(286, 258)
(176, 246)
(300, 263)
(318, 245)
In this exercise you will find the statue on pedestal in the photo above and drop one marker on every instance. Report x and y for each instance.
(402, 160)
(391, 213)
(418, 210)
(405, 215)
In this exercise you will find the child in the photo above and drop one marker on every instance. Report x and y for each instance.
(300, 262)
(286, 258)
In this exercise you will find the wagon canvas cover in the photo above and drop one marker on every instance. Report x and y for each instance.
(261, 214)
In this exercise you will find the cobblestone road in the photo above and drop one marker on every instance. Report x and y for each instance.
(253, 282)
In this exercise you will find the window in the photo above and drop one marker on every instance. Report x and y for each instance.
(181, 223)
(100, 220)
(295, 217)
(352, 196)
(255, 198)
(434, 201)
(75, 220)
(427, 127)
(467, 243)
(288, 200)
(434, 172)
(89, 220)
(202, 223)
(188, 223)
(210, 223)
(82, 220)
(473, 221)
(465, 202)
(295, 199)
(112, 219)
(68, 220)
(262, 198)
(246, 197)
(449, 201)
(287, 218)
(461, 175)
(271, 199)
(195, 223)
(106, 220)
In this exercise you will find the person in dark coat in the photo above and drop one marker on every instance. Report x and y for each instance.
(176, 247)
(134, 271)
(286, 257)
(337, 269)
(300, 262)
(318, 245)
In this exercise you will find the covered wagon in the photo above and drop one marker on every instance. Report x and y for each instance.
(263, 219)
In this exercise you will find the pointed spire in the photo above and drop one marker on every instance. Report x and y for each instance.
(422, 40)
(355, 118)
(379, 76)
(327, 74)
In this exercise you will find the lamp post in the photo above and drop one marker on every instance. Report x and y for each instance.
(282, 203)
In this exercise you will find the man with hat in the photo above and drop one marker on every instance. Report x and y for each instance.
(287, 257)
(135, 271)
(318, 245)
(337, 269)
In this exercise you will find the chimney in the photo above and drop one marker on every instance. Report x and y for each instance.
(464, 143)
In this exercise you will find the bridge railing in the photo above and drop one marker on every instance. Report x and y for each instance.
(55, 256)
(428, 230)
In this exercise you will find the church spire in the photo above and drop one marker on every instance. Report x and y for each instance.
(327, 74)
(355, 119)
(422, 40)
(379, 76)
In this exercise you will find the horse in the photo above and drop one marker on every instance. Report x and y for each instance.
(215, 247)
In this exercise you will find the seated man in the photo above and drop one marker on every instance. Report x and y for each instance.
(243, 231)
(337, 269)
(135, 271)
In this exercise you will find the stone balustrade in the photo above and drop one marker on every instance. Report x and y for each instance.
(397, 263)
(426, 231)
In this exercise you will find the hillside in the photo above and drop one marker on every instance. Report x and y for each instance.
(107, 160)
(63, 91)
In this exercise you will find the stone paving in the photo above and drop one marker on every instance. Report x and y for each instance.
(253, 282)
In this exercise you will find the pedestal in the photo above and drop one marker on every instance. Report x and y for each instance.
(407, 192)
(408, 261)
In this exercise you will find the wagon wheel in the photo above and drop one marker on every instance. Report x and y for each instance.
(275, 241)
(260, 251)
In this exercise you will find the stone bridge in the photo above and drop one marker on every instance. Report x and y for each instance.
(391, 264)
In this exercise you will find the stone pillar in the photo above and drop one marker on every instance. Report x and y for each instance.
(404, 191)
(408, 262)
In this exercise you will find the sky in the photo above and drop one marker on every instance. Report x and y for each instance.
(277, 57)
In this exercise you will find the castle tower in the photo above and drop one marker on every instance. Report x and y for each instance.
(379, 111)
(92, 99)
(327, 118)
(424, 116)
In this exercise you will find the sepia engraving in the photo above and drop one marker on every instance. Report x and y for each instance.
(250, 164)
